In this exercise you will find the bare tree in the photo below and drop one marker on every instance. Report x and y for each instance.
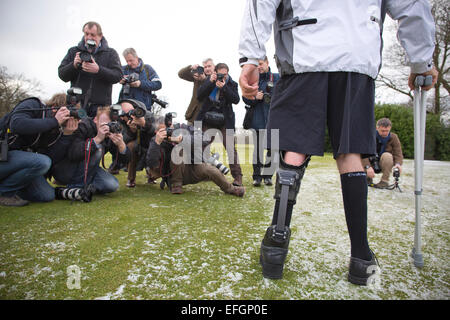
(14, 88)
(395, 73)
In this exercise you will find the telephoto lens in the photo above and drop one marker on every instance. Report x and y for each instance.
(214, 161)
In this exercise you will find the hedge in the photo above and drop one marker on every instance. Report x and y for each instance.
(437, 136)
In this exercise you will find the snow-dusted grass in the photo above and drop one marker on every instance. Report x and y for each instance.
(145, 243)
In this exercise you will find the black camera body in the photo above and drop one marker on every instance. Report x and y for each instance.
(220, 76)
(396, 173)
(133, 77)
(267, 97)
(115, 127)
(199, 70)
(73, 97)
(375, 163)
(115, 112)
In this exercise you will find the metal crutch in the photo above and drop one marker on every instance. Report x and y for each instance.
(420, 114)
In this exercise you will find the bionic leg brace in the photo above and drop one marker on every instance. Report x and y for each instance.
(274, 247)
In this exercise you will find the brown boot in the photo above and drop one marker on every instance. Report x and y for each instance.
(238, 191)
(382, 185)
(237, 181)
(176, 189)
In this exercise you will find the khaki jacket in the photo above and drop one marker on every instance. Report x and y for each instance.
(195, 105)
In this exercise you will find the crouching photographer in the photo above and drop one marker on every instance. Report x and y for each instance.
(389, 157)
(33, 136)
(138, 131)
(160, 161)
(83, 174)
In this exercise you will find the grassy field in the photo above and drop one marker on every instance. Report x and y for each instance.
(145, 243)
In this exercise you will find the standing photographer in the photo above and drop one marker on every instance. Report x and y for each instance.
(93, 66)
(39, 135)
(196, 74)
(389, 155)
(260, 111)
(218, 93)
(139, 80)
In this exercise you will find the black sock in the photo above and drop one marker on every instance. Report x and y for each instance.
(354, 194)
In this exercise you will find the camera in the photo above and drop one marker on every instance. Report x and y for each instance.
(214, 161)
(115, 112)
(168, 120)
(138, 113)
(220, 76)
(129, 79)
(73, 97)
(267, 97)
(199, 70)
(375, 163)
(396, 173)
(115, 127)
(155, 99)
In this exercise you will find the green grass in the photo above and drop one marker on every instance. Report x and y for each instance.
(145, 243)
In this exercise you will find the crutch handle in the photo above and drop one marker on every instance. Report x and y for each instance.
(423, 81)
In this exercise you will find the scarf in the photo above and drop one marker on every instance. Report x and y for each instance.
(382, 142)
(214, 95)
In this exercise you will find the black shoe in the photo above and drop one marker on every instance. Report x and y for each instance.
(274, 249)
(257, 182)
(361, 270)
(268, 181)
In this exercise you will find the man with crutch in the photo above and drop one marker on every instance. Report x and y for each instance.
(328, 55)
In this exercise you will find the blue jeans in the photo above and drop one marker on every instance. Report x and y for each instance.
(23, 174)
(103, 181)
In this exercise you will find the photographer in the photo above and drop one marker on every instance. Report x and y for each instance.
(218, 93)
(389, 155)
(139, 80)
(160, 162)
(37, 136)
(92, 140)
(260, 112)
(138, 131)
(196, 74)
(93, 66)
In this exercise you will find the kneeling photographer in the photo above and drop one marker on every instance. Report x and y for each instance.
(92, 140)
(219, 92)
(389, 156)
(160, 162)
(33, 136)
(138, 131)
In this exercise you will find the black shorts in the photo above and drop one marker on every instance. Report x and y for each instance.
(302, 104)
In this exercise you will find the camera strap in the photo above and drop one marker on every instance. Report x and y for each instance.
(87, 157)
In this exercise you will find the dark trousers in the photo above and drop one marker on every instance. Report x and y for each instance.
(258, 156)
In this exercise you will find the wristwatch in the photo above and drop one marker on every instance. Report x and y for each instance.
(366, 167)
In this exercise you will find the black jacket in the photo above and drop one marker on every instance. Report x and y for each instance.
(87, 129)
(143, 135)
(228, 96)
(110, 72)
(37, 130)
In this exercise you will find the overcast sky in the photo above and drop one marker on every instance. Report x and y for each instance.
(168, 35)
